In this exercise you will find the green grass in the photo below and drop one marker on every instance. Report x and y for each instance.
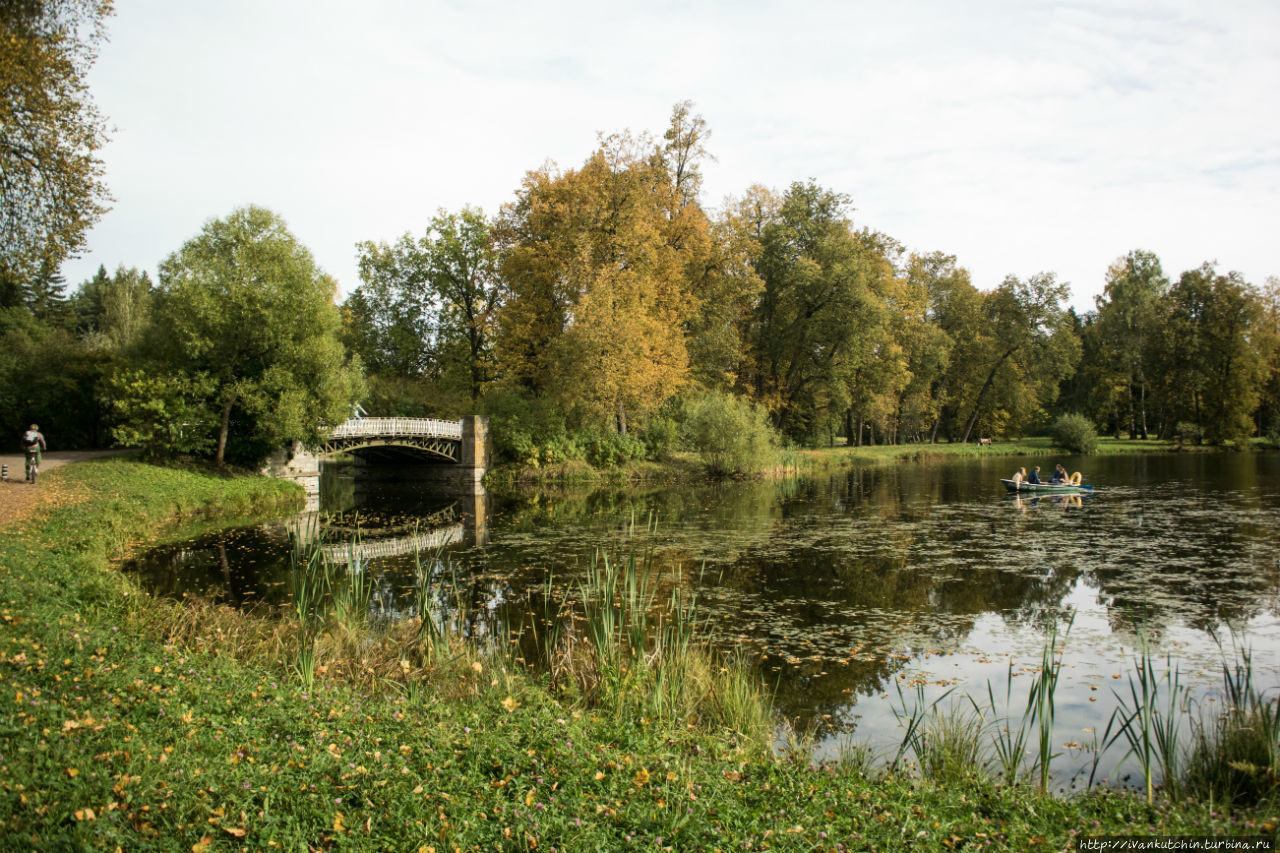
(137, 724)
(829, 457)
(685, 467)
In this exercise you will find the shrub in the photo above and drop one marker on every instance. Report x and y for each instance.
(607, 448)
(526, 428)
(1189, 432)
(732, 435)
(661, 436)
(1075, 432)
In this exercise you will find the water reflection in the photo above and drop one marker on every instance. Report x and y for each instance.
(842, 587)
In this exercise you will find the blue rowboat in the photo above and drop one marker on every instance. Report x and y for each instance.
(1046, 488)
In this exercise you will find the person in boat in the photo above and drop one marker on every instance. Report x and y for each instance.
(1019, 476)
(1060, 475)
(1035, 475)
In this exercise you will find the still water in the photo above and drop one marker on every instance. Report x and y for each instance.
(845, 588)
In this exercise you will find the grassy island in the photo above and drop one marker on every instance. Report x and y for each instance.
(133, 723)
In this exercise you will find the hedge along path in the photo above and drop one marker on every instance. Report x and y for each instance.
(19, 499)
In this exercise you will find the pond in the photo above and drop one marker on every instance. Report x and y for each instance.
(849, 590)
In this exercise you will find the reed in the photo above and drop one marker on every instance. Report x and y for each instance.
(1040, 699)
(638, 658)
(1150, 719)
(1235, 753)
(953, 741)
(915, 722)
(1009, 735)
(308, 588)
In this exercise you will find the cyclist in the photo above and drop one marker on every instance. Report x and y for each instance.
(33, 444)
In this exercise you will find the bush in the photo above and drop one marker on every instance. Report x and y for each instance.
(732, 435)
(1189, 432)
(528, 429)
(661, 437)
(607, 448)
(1075, 432)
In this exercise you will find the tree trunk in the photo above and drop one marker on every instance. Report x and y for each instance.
(622, 418)
(223, 429)
(1143, 398)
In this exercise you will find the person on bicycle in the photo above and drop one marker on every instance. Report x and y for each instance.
(33, 444)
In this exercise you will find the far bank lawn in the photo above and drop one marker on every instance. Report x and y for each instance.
(122, 726)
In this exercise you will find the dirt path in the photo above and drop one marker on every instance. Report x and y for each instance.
(18, 498)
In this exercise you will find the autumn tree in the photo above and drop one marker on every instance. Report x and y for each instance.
(243, 310)
(51, 177)
(598, 263)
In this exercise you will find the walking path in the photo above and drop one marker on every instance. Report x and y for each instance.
(18, 497)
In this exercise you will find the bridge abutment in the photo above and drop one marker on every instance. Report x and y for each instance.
(302, 466)
(476, 448)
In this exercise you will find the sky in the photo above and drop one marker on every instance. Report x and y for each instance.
(1022, 137)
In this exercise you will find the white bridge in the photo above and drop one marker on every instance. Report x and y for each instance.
(396, 427)
(403, 447)
(436, 438)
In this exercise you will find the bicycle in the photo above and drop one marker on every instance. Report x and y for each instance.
(33, 467)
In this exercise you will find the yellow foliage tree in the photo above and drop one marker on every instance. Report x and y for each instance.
(601, 263)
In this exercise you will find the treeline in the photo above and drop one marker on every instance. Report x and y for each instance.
(608, 314)
(234, 352)
(592, 313)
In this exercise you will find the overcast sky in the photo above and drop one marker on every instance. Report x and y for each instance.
(1019, 136)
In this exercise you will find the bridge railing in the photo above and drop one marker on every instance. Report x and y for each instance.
(364, 427)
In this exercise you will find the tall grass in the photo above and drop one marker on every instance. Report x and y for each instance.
(1235, 753)
(1150, 718)
(1040, 699)
(642, 657)
(1009, 734)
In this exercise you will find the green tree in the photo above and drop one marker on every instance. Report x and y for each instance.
(925, 343)
(462, 270)
(162, 414)
(1028, 350)
(244, 305)
(1210, 360)
(821, 319)
(389, 317)
(1268, 337)
(1126, 316)
(113, 311)
(51, 178)
(47, 376)
(727, 287)
(955, 309)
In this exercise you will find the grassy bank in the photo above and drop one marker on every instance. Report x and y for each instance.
(688, 467)
(1036, 447)
(135, 724)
